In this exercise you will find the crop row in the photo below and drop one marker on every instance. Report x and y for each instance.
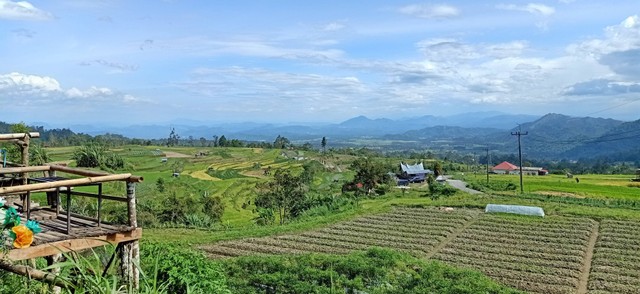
(391, 243)
(300, 245)
(569, 223)
(533, 287)
(418, 220)
(528, 267)
(519, 255)
(398, 225)
(585, 229)
(534, 234)
(558, 261)
(415, 234)
(616, 260)
(391, 219)
(464, 214)
(377, 237)
(517, 237)
(500, 274)
(527, 247)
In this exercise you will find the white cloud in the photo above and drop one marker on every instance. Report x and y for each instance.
(22, 10)
(33, 88)
(430, 11)
(621, 37)
(333, 26)
(533, 8)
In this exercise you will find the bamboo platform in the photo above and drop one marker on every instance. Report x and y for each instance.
(84, 234)
(62, 230)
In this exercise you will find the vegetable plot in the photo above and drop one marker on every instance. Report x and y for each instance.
(535, 255)
(616, 261)
(413, 230)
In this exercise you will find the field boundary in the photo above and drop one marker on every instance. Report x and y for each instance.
(586, 267)
(451, 236)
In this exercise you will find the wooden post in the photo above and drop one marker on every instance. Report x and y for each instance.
(130, 251)
(51, 260)
(25, 176)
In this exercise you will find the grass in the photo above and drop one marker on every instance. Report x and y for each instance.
(590, 186)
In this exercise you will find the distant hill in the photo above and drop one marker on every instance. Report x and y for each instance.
(554, 134)
(621, 143)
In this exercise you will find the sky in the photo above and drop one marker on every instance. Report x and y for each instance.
(281, 61)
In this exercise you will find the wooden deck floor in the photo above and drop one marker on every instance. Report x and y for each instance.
(83, 234)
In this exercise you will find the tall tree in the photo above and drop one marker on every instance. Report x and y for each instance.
(324, 144)
(281, 142)
(285, 194)
(173, 139)
(222, 142)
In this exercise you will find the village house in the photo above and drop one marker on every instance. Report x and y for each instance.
(506, 168)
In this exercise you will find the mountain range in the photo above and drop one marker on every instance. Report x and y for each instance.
(552, 136)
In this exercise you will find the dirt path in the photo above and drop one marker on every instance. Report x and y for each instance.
(586, 268)
(171, 154)
(449, 238)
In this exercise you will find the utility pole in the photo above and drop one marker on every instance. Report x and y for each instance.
(520, 134)
(488, 166)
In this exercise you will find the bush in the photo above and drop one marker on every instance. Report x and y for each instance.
(437, 190)
(373, 271)
(180, 268)
(97, 155)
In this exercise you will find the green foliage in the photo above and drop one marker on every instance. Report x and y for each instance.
(213, 207)
(97, 155)
(492, 186)
(437, 190)
(182, 270)
(373, 271)
(174, 138)
(160, 185)
(369, 173)
(285, 194)
(38, 155)
(281, 142)
(437, 168)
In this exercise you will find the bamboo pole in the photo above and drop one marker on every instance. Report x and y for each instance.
(64, 183)
(88, 173)
(19, 135)
(24, 169)
(34, 274)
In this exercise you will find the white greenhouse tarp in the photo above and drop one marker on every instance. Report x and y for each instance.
(516, 209)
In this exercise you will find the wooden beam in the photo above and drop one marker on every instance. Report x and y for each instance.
(64, 246)
(26, 169)
(19, 135)
(64, 183)
(88, 173)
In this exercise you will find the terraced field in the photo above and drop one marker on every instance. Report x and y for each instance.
(616, 261)
(551, 255)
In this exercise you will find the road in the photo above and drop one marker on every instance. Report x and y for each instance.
(462, 186)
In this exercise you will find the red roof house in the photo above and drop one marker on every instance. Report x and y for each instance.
(504, 168)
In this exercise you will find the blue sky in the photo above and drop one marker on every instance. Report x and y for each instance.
(139, 62)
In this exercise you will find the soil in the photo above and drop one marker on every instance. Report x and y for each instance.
(586, 268)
